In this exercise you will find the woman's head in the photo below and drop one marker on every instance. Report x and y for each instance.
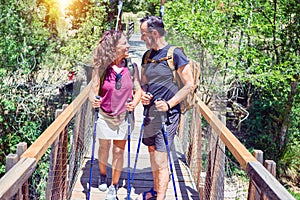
(112, 46)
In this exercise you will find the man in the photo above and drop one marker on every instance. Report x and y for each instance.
(157, 79)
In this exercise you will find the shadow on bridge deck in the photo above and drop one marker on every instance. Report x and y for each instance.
(143, 177)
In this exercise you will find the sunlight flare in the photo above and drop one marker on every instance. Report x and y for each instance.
(64, 4)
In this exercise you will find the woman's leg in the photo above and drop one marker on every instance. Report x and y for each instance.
(117, 160)
(103, 152)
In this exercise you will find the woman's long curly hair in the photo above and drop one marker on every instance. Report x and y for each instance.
(105, 52)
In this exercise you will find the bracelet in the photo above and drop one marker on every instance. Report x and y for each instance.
(169, 108)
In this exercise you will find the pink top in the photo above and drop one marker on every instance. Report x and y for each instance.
(113, 100)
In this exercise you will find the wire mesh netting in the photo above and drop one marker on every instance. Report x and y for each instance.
(56, 171)
(216, 174)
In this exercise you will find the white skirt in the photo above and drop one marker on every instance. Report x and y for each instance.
(113, 127)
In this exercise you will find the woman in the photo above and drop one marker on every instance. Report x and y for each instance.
(114, 83)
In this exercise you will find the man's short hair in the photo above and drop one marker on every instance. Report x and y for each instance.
(154, 23)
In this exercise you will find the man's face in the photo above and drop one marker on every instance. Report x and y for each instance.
(147, 36)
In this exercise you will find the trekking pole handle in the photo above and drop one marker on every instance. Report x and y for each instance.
(97, 109)
(146, 107)
(130, 120)
(128, 101)
(162, 114)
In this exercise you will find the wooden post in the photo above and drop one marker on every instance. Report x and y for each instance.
(64, 160)
(201, 174)
(11, 160)
(75, 149)
(54, 176)
(24, 191)
(253, 193)
(191, 150)
(207, 189)
(198, 134)
(270, 165)
(13, 179)
(218, 163)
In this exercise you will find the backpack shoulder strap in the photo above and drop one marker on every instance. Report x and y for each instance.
(147, 55)
(131, 67)
(171, 61)
(170, 54)
(102, 77)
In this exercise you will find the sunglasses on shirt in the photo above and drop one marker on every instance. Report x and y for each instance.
(118, 81)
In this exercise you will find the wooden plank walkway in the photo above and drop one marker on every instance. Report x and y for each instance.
(143, 177)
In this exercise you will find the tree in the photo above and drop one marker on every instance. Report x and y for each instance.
(256, 43)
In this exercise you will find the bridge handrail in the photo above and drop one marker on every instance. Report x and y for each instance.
(255, 170)
(39, 147)
(20, 173)
(22, 170)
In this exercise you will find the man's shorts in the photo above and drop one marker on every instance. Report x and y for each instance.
(153, 132)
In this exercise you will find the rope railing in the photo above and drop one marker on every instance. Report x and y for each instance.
(50, 165)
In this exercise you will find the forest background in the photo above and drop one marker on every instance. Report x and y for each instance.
(249, 51)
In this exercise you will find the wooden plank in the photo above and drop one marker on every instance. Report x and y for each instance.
(143, 178)
(40, 146)
(267, 182)
(238, 150)
(16, 177)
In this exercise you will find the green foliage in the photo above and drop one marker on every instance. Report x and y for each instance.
(79, 46)
(23, 35)
(257, 43)
(34, 36)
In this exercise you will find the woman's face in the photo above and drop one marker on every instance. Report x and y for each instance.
(122, 48)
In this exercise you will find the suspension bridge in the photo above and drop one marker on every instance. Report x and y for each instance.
(202, 169)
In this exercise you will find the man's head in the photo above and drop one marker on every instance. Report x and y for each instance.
(152, 28)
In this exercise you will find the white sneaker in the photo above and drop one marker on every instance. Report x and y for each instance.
(112, 193)
(102, 183)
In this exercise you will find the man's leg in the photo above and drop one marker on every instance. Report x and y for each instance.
(160, 171)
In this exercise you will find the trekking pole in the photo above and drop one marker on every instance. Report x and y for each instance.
(93, 149)
(146, 108)
(129, 114)
(139, 142)
(164, 130)
(120, 4)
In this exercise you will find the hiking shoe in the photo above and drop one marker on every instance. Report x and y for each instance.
(112, 193)
(102, 183)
